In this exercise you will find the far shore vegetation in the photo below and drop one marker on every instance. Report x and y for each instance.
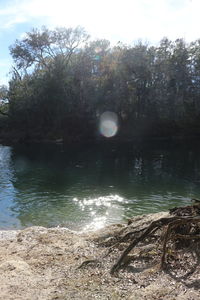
(61, 82)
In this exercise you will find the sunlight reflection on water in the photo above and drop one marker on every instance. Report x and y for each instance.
(110, 205)
(97, 223)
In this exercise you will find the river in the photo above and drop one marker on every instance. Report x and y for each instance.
(89, 186)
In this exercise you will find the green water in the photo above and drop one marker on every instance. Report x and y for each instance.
(90, 186)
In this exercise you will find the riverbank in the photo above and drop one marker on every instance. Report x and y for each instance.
(48, 263)
(144, 131)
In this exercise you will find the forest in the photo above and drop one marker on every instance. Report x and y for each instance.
(62, 81)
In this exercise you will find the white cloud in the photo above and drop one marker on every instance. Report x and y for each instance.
(12, 22)
(116, 20)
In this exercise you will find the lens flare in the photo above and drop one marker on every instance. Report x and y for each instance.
(108, 125)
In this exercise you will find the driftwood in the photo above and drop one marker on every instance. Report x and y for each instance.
(183, 225)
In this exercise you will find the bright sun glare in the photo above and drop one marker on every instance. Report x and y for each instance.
(108, 125)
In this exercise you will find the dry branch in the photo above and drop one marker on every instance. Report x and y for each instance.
(172, 224)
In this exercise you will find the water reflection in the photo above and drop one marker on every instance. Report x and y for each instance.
(90, 186)
(7, 189)
(102, 209)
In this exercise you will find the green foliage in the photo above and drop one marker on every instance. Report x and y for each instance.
(61, 83)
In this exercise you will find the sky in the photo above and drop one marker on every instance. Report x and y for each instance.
(126, 21)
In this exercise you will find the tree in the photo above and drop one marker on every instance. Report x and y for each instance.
(4, 100)
(43, 87)
(61, 83)
(40, 47)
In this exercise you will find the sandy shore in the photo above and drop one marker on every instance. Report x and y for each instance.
(40, 263)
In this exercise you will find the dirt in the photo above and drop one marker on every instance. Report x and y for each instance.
(56, 263)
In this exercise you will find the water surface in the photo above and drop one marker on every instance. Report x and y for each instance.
(90, 186)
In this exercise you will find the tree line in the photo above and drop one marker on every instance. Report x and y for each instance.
(61, 82)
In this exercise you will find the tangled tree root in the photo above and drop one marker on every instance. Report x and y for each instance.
(182, 226)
